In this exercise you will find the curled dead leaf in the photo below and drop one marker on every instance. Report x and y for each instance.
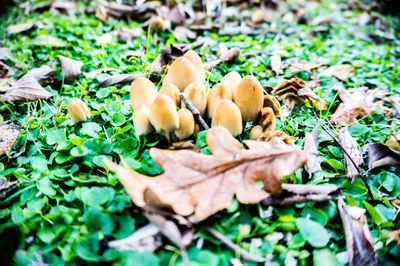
(43, 75)
(70, 68)
(353, 149)
(340, 71)
(199, 184)
(313, 164)
(94, 73)
(308, 67)
(118, 79)
(380, 155)
(18, 28)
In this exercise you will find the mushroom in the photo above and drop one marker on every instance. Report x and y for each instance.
(272, 102)
(267, 118)
(256, 132)
(249, 97)
(78, 110)
(143, 92)
(141, 120)
(182, 72)
(163, 115)
(259, 16)
(186, 124)
(196, 93)
(231, 80)
(217, 93)
(271, 134)
(227, 115)
(172, 91)
(156, 24)
(195, 59)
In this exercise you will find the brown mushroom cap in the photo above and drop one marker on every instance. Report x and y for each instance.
(163, 115)
(267, 118)
(227, 115)
(78, 110)
(231, 80)
(172, 91)
(249, 97)
(186, 124)
(193, 57)
(141, 120)
(143, 91)
(271, 134)
(196, 93)
(272, 102)
(156, 24)
(256, 132)
(217, 93)
(181, 73)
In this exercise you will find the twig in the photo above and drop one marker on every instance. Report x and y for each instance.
(243, 253)
(197, 116)
(351, 159)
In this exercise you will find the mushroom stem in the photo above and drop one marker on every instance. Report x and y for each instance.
(196, 114)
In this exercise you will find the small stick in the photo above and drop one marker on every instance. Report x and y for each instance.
(351, 159)
(197, 116)
(243, 253)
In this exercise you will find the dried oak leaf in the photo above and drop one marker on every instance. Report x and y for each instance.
(199, 184)
(340, 71)
(26, 88)
(71, 68)
(356, 103)
(353, 149)
(358, 237)
(8, 136)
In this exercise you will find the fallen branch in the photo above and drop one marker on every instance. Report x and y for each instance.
(243, 253)
(196, 114)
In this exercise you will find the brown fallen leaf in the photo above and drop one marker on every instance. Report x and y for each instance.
(9, 133)
(394, 142)
(6, 187)
(70, 68)
(6, 71)
(5, 54)
(396, 104)
(353, 149)
(356, 103)
(296, 193)
(125, 34)
(225, 56)
(174, 227)
(118, 79)
(340, 71)
(308, 67)
(147, 238)
(94, 73)
(358, 237)
(25, 89)
(205, 184)
(63, 7)
(313, 164)
(380, 155)
(182, 33)
(43, 75)
(18, 28)
(101, 13)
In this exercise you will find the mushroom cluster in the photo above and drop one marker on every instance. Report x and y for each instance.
(230, 103)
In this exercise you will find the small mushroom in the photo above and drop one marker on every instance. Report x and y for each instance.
(195, 59)
(256, 132)
(172, 91)
(196, 93)
(231, 80)
(143, 91)
(259, 16)
(249, 97)
(141, 120)
(163, 115)
(186, 124)
(227, 115)
(157, 24)
(217, 93)
(266, 118)
(272, 102)
(78, 110)
(181, 73)
(271, 134)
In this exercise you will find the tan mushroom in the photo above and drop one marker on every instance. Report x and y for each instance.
(217, 93)
(231, 80)
(78, 110)
(172, 91)
(266, 119)
(141, 120)
(227, 115)
(143, 92)
(182, 72)
(272, 102)
(186, 124)
(156, 24)
(249, 97)
(256, 132)
(271, 134)
(163, 115)
(195, 59)
(196, 93)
